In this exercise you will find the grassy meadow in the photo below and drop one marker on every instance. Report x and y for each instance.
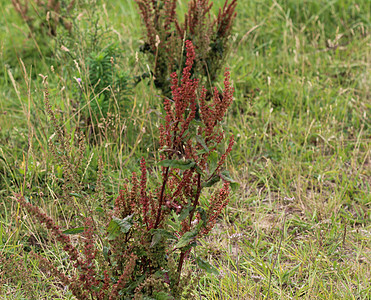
(298, 226)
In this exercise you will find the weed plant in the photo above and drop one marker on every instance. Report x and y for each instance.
(165, 36)
(150, 233)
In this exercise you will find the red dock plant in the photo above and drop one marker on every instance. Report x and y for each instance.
(150, 233)
(165, 36)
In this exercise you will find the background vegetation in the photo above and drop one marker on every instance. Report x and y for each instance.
(298, 226)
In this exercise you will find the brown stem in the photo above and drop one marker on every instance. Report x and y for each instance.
(197, 196)
(195, 203)
(161, 201)
(161, 198)
(181, 261)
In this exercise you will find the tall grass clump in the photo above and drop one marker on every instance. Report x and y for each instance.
(165, 35)
(140, 245)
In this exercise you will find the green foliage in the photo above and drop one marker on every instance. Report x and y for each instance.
(74, 230)
(95, 65)
(204, 265)
(109, 84)
(300, 219)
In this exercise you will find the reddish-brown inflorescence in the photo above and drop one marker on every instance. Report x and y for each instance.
(134, 203)
(123, 204)
(72, 283)
(124, 278)
(183, 140)
(217, 203)
(87, 274)
(165, 36)
(175, 135)
(50, 224)
(198, 15)
(106, 285)
(188, 158)
(225, 18)
(50, 11)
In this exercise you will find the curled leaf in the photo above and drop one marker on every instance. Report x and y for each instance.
(117, 226)
(178, 164)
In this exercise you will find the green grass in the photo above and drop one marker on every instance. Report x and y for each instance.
(301, 118)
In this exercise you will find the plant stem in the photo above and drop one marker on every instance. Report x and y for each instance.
(197, 196)
(181, 261)
(161, 197)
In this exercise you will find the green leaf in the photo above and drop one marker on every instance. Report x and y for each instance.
(227, 177)
(202, 142)
(212, 161)
(106, 252)
(214, 179)
(186, 238)
(189, 246)
(96, 288)
(173, 221)
(204, 265)
(197, 123)
(76, 195)
(156, 239)
(187, 135)
(200, 152)
(203, 215)
(199, 171)
(117, 226)
(99, 209)
(160, 235)
(178, 164)
(185, 213)
(74, 230)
